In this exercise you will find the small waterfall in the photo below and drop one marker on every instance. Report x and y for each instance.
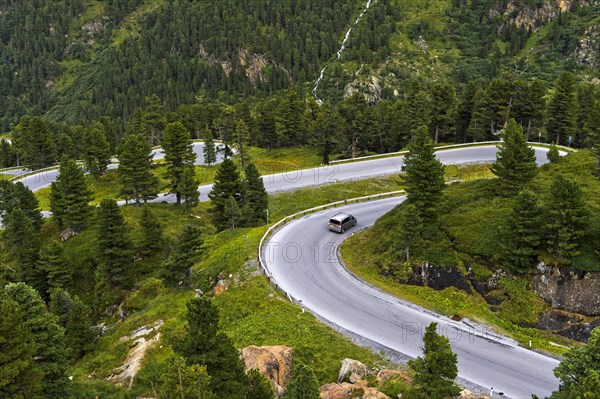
(339, 52)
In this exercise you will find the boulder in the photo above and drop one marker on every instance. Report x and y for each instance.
(335, 391)
(274, 362)
(387, 374)
(352, 368)
(220, 288)
(68, 233)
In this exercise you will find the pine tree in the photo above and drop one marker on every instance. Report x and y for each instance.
(256, 199)
(232, 214)
(553, 154)
(74, 317)
(423, 176)
(227, 184)
(181, 381)
(70, 197)
(411, 228)
(188, 187)
(53, 263)
(566, 218)
(515, 163)
(179, 153)
(51, 354)
(258, 387)
(23, 244)
(152, 232)
(18, 196)
(205, 345)
(20, 375)
(210, 153)
(114, 248)
(326, 131)
(242, 137)
(135, 170)
(562, 109)
(303, 384)
(96, 152)
(436, 371)
(524, 233)
(177, 268)
(289, 120)
(34, 143)
(153, 119)
(443, 104)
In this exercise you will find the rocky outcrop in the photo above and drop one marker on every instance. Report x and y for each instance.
(569, 289)
(345, 390)
(388, 374)
(141, 340)
(587, 52)
(570, 325)
(351, 370)
(438, 278)
(274, 362)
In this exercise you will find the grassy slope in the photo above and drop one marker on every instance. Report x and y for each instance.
(472, 219)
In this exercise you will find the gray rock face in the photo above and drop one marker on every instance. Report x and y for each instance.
(569, 289)
(587, 52)
(353, 369)
(439, 278)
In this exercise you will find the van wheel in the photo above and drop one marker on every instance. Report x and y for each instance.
(354, 223)
(342, 230)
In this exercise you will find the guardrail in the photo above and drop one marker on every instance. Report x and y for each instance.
(305, 212)
(446, 147)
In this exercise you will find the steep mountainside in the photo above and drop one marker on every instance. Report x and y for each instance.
(82, 59)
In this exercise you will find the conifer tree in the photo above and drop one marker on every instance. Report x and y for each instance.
(152, 232)
(227, 184)
(18, 196)
(53, 263)
(436, 371)
(566, 218)
(179, 153)
(135, 170)
(232, 214)
(23, 245)
(553, 154)
(34, 143)
(562, 109)
(20, 375)
(51, 353)
(153, 119)
(423, 176)
(256, 198)
(181, 381)
(289, 120)
(515, 163)
(114, 248)
(210, 153)
(74, 317)
(96, 152)
(443, 104)
(177, 268)
(70, 197)
(411, 228)
(524, 233)
(326, 131)
(303, 384)
(188, 187)
(258, 387)
(205, 345)
(242, 137)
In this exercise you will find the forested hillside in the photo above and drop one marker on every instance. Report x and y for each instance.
(79, 60)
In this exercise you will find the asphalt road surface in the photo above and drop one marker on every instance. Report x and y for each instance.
(302, 259)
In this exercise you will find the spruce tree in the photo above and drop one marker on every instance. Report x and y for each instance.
(20, 376)
(70, 197)
(423, 176)
(188, 187)
(515, 163)
(135, 170)
(53, 263)
(258, 387)
(553, 154)
(524, 233)
(51, 354)
(205, 345)
(303, 384)
(326, 131)
(256, 197)
(227, 184)
(566, 218)
(443, 102)
(23, 244)
(180, 381)
(562, 109)
(436, 371)
(153, 120)
(411, 228)
(177, 268)
(34, 143)
(210, 153)
(114, 248)
(152, 232)
(242, 138)
(232, 214)
(179, 153)
(96, 152)
(18, 196)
